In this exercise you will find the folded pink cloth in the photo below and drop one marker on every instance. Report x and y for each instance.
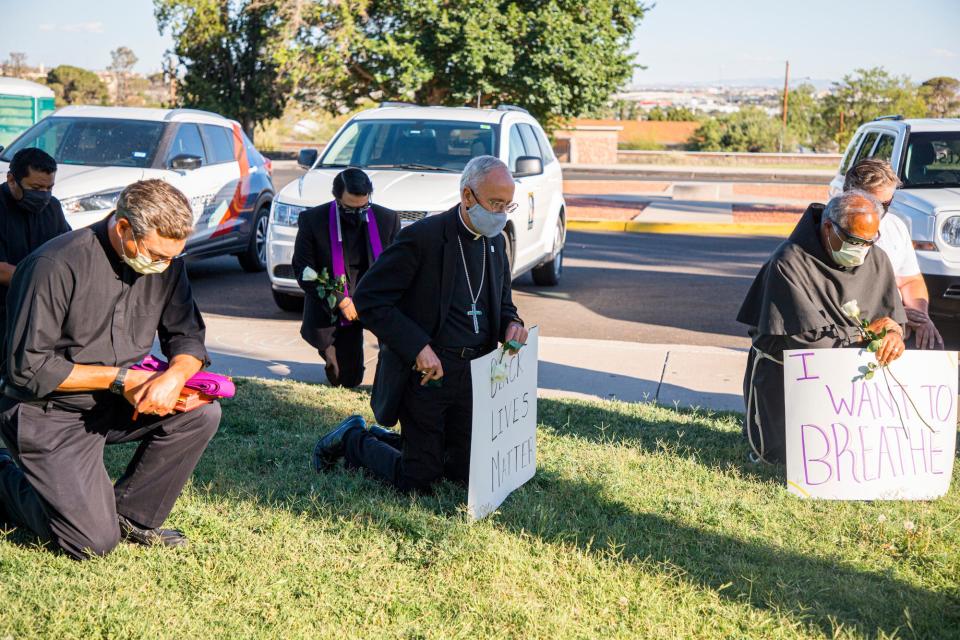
(210, 384)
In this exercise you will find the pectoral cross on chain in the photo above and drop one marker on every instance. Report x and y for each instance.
(474, 312)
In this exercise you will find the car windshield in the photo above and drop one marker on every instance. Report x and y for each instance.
(419, 145)
(98, 142)
(932, 160)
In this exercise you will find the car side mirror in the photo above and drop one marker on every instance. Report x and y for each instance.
(528, 166)
(306, 158)
(186, 162)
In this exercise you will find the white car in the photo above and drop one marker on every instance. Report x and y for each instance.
(101, 150)
(925, 154)
(414, 157)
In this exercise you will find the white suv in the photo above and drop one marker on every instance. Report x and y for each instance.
(414, 156)
(101, 150)
(925, 153)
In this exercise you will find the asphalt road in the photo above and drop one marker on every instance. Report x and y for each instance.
(659, 289)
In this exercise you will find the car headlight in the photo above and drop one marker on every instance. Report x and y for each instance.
(950, 231)
(287, 215)
(91, 202)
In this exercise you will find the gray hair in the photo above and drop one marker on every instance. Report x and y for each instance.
(478, 169)
(850, 204)
(156, 205)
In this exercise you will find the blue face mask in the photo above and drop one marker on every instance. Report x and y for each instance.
(488, 223)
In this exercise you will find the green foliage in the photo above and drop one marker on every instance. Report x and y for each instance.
(805, 122)
(942, 97)
(865, 95)
(672, 114)
(641, 522)
(749, 129)
(231, 55)
(556, 58)
(73, 85)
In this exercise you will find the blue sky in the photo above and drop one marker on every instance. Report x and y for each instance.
(678, 41)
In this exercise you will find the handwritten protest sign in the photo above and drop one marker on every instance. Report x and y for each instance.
(856, 437)
(503, 452)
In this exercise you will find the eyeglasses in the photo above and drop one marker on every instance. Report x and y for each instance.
(855, 240)
(498, 205)
(155, 258)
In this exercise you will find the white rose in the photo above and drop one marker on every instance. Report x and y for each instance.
(498, 372)
(309, 274)
(851, 309)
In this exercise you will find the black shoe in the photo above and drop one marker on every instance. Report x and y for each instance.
(329, 448)
(148, 537)
(381, 433)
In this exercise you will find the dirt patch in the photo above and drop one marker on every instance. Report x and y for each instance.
(766, 213)
(591, 209)
(810, 192)
(613, 187)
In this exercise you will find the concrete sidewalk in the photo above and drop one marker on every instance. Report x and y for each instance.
(672, 375)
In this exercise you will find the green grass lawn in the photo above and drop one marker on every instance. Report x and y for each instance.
(641, 522)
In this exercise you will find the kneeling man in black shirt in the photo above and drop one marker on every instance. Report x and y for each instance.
(81, 310)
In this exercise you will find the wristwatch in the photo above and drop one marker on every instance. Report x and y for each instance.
(117, 385)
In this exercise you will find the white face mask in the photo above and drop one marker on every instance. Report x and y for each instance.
(141, 264)
(849, 255)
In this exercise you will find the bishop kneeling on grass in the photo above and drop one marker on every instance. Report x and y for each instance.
(797, 302)
(437, 298)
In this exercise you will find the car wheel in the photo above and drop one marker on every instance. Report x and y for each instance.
(254, 259)
(548, 274)
(288, 302)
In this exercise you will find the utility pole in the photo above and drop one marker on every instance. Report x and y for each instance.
(786, 95)
(478, 98)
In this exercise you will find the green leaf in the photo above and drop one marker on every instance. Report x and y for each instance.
(874, 346)
(332, 300)
(868, 375)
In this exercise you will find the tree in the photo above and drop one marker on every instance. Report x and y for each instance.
(749, 129)
(805, 122)
(672, 114)
(231, 55)
(15, 65)
(557, 58)
(121, 65)
(865, 95)
(73, 85)
(942, 96)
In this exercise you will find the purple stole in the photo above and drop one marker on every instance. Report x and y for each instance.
(336, 245)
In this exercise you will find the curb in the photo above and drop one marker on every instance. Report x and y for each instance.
(774, 229)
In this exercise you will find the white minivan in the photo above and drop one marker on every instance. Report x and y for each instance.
(414, 157)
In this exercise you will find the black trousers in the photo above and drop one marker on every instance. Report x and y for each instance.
(344, 356)
(435, 432)
(60, 488)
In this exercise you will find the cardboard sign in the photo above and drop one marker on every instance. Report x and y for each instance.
(889, 437)
(503, 453)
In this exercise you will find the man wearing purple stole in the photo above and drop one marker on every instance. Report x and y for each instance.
(344, 237)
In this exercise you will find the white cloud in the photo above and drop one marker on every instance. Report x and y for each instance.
(76, 27)
(943, 53)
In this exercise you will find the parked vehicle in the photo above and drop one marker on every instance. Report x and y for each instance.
(414, 156)
(925, 153)
(100, 150)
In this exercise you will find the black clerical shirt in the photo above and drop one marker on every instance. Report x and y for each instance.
(74, 301)
(22, 231)
(457, 330)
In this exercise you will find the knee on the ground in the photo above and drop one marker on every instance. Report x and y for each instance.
(84, 547)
